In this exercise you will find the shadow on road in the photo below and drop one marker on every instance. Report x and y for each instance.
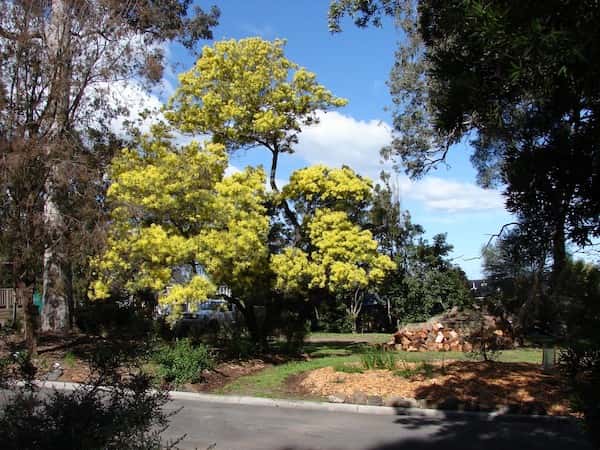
(452, 433)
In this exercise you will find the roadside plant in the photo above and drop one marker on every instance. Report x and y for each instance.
(378, 359)
(183, 362)
(117, 408)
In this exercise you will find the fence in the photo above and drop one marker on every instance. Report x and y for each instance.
(8, 298)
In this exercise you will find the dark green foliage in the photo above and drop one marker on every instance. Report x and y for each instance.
(183, 361)
(425, 282)
(580, 359)
(103, 317)
(428, 285)
(333, 318)
(111, 411)
(516, 271)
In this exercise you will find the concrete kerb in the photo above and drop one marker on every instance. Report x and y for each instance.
(501, 414)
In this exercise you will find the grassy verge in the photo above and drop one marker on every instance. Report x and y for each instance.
(371, 338)
(271, 381)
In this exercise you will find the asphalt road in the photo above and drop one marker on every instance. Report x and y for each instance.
(240, 427)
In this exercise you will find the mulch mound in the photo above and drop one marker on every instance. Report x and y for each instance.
(523, 387)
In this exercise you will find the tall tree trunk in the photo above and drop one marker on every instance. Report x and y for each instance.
(56, 311)
(24, 297)
(355, 308)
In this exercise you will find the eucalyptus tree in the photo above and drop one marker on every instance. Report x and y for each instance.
(60, 61)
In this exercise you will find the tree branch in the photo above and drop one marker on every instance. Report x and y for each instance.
(497, 235)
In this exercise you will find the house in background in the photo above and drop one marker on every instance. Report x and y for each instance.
(480, 289)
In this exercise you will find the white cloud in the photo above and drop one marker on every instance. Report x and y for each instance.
(452, 196)
(339, 139)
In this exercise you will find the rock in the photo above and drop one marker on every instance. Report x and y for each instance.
(453, 335)
(374, 400)
(402, 402)
(439, 338)
(498, 332)
(54, 374)
(398, 347)
(467, 347)
(336, 398)
(359, 398)
(412, 349)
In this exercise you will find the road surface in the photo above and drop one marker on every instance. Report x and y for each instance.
(242, 427)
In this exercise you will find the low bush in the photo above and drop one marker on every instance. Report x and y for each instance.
(109, 411)
(378, 359)
(183, 362)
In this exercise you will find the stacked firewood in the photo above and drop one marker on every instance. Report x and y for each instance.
(455, 335)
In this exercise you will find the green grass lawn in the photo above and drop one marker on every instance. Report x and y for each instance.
(371, 338)
(271, 381)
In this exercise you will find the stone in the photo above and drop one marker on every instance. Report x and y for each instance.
(54, 374)
(439, 338)
(336, 398)
(374, 400)
(467, 347)
(412, 349)
(359, 398)
(401, 402)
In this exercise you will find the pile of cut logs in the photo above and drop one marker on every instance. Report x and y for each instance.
(435, 336)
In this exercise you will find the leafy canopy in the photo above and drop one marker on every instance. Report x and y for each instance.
(247, 93)
(338, 254)
(176, 217)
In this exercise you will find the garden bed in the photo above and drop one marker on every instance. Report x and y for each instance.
(523, 388)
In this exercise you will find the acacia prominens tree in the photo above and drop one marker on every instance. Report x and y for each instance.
(180, 227)
(336, 254)
(246, 93)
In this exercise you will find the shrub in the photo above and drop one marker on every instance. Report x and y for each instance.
(70, 360)
(183, 362)
(580, 357)
(110, 411)
(378, 359)
(111, 317)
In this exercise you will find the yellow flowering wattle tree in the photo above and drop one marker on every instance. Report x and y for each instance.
(245, 93)
(337, 255)
(180, 227)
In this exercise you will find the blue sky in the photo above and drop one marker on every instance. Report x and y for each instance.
(355, 64)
